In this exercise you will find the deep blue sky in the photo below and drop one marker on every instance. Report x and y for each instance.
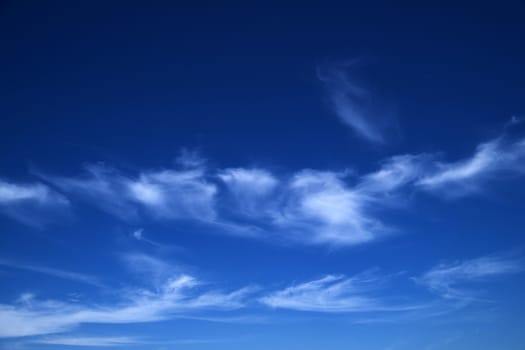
(232, 175)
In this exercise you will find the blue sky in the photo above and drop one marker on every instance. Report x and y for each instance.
(334, 175)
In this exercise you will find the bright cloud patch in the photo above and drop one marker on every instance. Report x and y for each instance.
(323, 206)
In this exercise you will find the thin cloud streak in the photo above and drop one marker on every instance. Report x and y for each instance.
(104, 341)
(30, 203)
(183, 296)
(11, 193)
(356, 106)
(71, 276)
(138, 234)
(177, 296)
(87, 341)
(494, 158)
(450, 281)
(456, 286)
(332, 294)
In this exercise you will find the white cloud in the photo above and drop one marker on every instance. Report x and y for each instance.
(105, 341)
(394, 174)
(328, 294)
(496, 157)
(315, 207)
(250, 188)
(242, 181)
(72, 276)
(175, 194)
(178, 296)
(190, 159)
(100, 185)
(164, 194)
(321, 208)
(449, 280)
(149, 268)
(355, 105)
(10, 192)
(86, 341)
(332, 294)
(138, 234)
(311, 206)
(31, 203)
(308, 206)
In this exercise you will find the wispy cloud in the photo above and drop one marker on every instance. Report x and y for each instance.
(86, 341)
(175, 194)
(30, 203)
(104, 341)
(454, 287)
(355, 105)
(324, 206)
(12, 193)
(362, 293)
(71, 276)
(451, 280)
(497, 157)
(178, 295)
(332, 293)
(149, 268)
(250, 188)
(394, 174)
(175, 294)
(139, 235)
(310, 206)
(163, 194)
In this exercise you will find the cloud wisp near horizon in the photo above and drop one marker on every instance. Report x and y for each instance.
(176, 297)
(181, 295)
(446, 279)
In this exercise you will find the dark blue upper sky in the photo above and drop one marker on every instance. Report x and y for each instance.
(314, 175)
